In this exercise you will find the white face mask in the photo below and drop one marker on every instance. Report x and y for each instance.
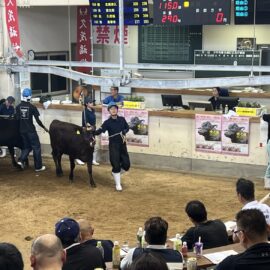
(26, 98)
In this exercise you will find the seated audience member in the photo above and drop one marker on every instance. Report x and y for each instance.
(114, 97)
(252, 233)
(155, 235)
(86, 237)
(47, 253)
(212, 232)
(149, 261)
(218, 92)
(246, 196)
(7, 108)
(78, 256)
(10, 257)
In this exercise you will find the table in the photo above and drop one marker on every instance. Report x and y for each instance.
(202, 262)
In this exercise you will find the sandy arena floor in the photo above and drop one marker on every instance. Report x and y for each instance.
(31, 203)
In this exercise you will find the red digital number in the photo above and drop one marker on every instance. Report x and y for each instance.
(169, 18)
(219, 17)
(169, 5)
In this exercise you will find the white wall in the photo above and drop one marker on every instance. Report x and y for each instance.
(223, 37)
(45, 28)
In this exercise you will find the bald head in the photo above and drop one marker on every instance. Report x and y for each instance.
(46, 252)
(86, 230)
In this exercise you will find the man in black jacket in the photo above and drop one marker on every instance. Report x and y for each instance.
(24, 113)
(86, 237)
(212, 232)
(252, 233)
(78, 256)
(117, 128)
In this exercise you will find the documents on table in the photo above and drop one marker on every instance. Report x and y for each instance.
(218, 257)
(175, 266)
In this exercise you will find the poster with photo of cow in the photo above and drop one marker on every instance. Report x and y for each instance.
(235, 136)
(208, 133)
(138, 127)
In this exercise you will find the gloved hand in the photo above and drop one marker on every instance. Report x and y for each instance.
(46, 129)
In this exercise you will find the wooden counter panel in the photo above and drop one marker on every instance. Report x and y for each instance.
(160, 113)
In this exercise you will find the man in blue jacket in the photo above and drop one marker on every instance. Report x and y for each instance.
(114, 97)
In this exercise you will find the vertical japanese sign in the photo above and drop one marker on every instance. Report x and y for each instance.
(83, 37)
(208, 133)
(109, 35)
(138, 126)
(235, 136)
(13, 26)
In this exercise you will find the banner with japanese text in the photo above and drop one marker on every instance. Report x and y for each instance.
(109, 35)
(208, 133)
(221, 134)
(235, 135)
(83, 37)
(138, 126)
(12, 23)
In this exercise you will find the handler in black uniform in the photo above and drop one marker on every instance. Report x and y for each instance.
(117, 128)
(24, 113)
(89, 118)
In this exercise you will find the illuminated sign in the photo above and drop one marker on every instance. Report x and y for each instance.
(192, 12)
(104, 12)
(244, 11)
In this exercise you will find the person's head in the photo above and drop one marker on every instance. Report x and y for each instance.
(47, 252)
(245, 190)
(216, 91)
(68, 231)
(149, 261)
(86, 230)
(89, 102)
(27, 94)
(9, 101)
(251, 227)
(114, 91)
(156, 231)
(196, 211)
(113, 108)
(10, 257)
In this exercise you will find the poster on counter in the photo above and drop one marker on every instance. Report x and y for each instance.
(138, 124)
(138, 127)
(235, 136)
(208, 133)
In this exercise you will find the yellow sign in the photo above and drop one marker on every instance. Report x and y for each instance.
(134, 105)
(244, 111)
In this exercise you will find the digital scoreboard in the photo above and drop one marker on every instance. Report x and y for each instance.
(104, 12)
(192, 12)
(244, 11)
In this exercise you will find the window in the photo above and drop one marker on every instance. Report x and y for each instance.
(49, 84)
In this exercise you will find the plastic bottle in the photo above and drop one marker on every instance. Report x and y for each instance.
(100, 247)
(116, 259)
(184, 249)
(226, 109)
(140, 236)
(67, 97)
(177, 244)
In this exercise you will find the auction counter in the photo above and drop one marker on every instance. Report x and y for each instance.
(171, 143)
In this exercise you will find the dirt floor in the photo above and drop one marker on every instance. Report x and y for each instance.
(31, 203)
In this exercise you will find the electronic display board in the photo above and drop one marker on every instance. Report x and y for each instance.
(192, 12)
(244, 11)
(106, 12)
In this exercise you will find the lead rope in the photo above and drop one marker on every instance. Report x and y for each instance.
(121, 134)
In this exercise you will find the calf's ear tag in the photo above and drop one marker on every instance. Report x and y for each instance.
(78, 132)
